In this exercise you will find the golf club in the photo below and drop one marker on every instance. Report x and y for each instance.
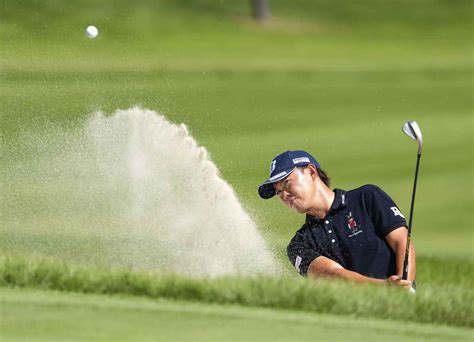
(412, 129)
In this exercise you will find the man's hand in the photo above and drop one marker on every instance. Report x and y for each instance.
(397, 280)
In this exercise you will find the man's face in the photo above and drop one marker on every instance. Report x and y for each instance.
(296, 190)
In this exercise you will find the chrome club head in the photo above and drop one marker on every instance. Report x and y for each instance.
(412, 129)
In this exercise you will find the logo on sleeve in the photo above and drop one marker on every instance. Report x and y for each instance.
(298, 263)
(397, 212)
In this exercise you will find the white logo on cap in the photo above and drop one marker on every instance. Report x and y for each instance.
(272, 166)
(278, 175)
(301, 160)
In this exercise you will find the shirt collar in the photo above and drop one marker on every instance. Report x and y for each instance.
(340, 201)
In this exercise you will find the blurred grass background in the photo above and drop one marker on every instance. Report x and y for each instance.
(336, 78)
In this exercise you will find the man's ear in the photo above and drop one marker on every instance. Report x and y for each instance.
(312, 171)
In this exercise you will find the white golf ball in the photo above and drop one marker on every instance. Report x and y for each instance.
(91, 32)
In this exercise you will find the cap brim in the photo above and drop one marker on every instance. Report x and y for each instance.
(266, 189)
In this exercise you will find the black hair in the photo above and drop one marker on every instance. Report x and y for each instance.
(321, 174)
(324, 177)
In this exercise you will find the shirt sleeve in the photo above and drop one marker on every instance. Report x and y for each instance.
(300, 253)
(383, 211)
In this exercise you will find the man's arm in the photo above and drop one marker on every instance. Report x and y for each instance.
(325, 267)
(397, 240)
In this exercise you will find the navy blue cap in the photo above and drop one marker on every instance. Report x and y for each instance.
(282, 166)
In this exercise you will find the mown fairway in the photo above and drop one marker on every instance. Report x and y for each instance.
(336, 78)
(78, 316)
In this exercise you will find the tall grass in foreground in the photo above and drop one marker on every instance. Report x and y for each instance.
(447, 304)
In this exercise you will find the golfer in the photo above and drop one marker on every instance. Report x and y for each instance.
(358, 235)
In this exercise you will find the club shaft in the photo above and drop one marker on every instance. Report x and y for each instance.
(410, 221)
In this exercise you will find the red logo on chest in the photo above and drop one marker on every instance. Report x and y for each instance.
(351, 222)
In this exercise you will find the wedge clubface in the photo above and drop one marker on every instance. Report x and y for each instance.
(412, 129)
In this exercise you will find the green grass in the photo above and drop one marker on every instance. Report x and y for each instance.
(441, 303)
(83, 317)
(77, 316)
(336, 78)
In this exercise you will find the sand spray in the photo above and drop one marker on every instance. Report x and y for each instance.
(131, 190)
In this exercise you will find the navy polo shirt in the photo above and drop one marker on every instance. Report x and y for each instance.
(352, 233)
